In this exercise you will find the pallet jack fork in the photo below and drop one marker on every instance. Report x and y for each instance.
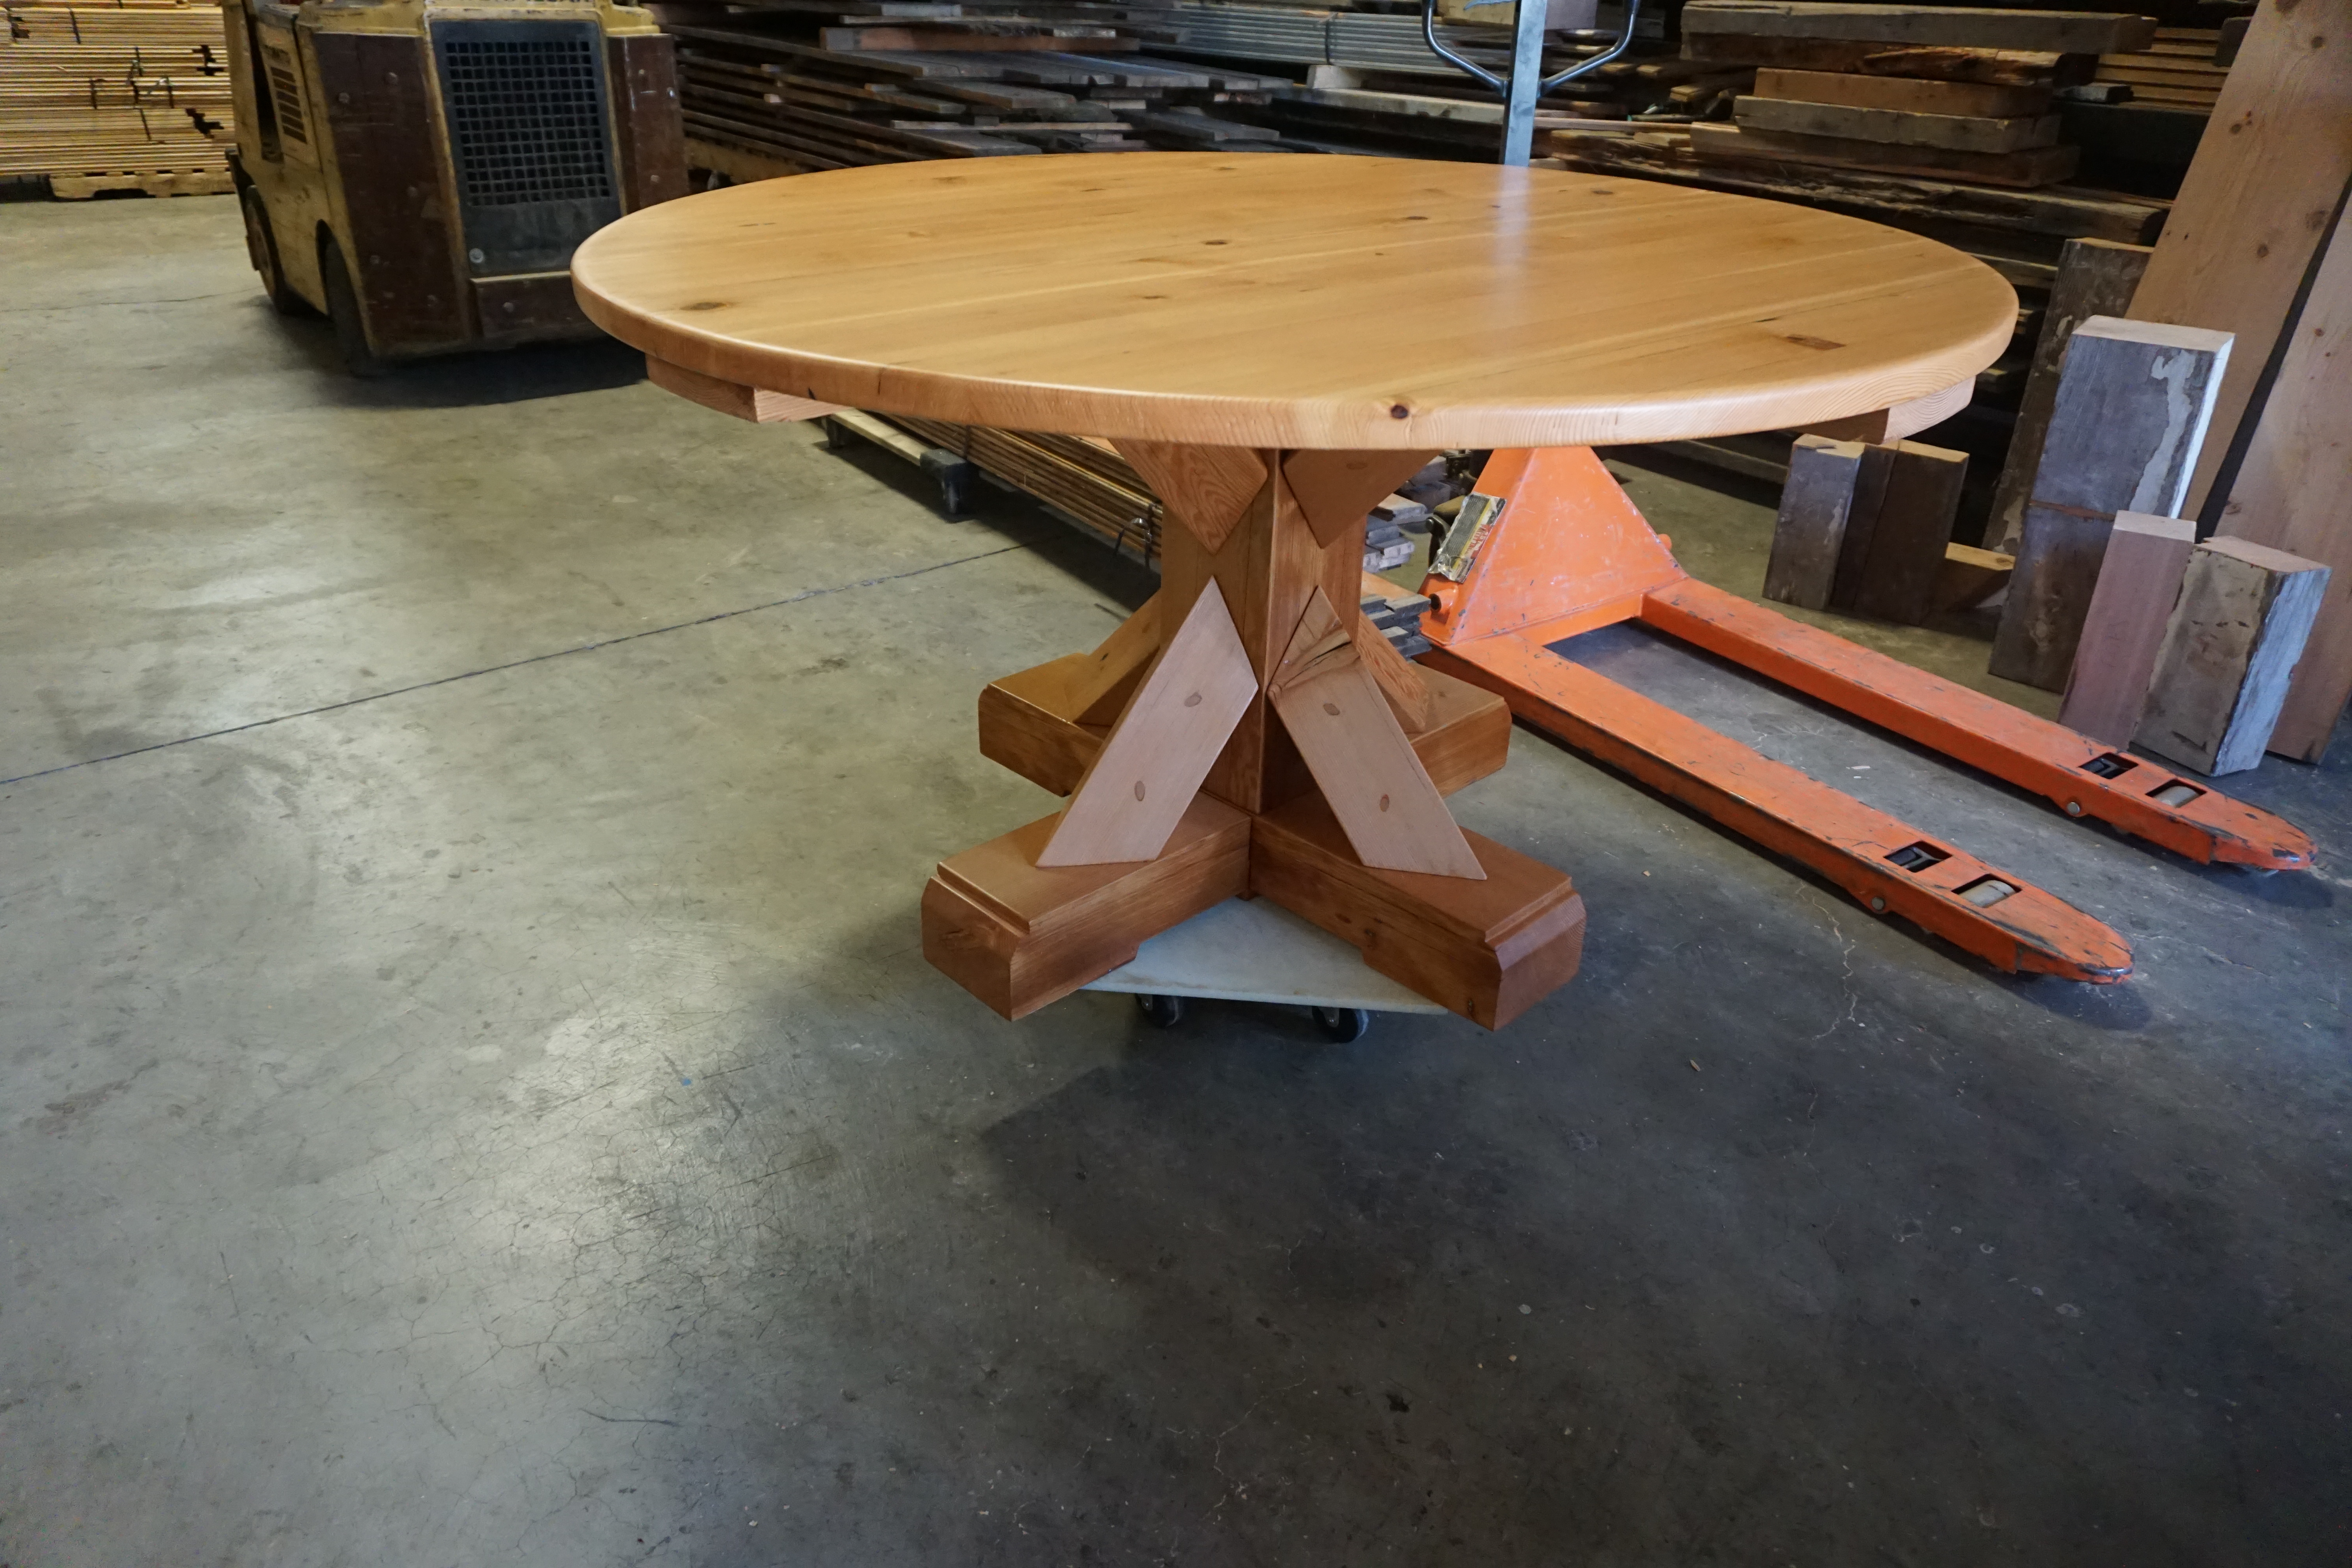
(1567, 552)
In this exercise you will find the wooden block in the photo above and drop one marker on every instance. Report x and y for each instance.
(2140, 583)
(2010, 67)
(2032, 167)
(1338, 489)
(1359, 755)
(1403, 511)
(1468, 736)
(1897, 126)
(1909, 94)
(2229, 653)
(1896, 579)
(1488, 949)
(1826, 478)
(1886, 424)
(1948, 26)
(755, 404)
(1969, 577)
(1206, 488)
(2254, 207)
(1101, 682)
(1018, 935)
(2132, 406)
(2290, 492)
(2095, 278)
(1022, 727)
(1152, 766)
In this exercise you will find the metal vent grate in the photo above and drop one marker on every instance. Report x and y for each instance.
(527, 117)
(286, 93)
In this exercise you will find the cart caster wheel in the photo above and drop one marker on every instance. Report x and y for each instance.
(1341, 1025)
(1161, 1012)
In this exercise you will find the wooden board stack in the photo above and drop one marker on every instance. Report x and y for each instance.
(1949, 93)
(127, 96)
(1084, 481)
(2179, 69)
(1395, 613)
(817, 84)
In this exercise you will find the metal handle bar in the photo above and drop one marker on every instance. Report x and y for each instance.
(1527, 62)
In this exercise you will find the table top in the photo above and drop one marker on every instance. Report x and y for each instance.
(1295, 300)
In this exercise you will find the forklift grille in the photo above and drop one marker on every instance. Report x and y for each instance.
(527, 118)
(530, 137)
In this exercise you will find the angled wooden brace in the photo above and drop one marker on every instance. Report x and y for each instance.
(1147, 772)
(1206, 488)
(1393, 815)
(1338, 489)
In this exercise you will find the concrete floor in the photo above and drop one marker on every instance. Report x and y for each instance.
(473, 1094)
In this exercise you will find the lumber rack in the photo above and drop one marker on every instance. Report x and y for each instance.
(1555, 548)
(1525, 85)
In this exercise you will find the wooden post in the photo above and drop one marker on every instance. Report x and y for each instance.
(1894, 580)
(2132, 408)
(2254, 205)
(2140, 583)
(2095, 278)
(1829, 482)
(2229, 652)
(1267, 565)
(2291, 493)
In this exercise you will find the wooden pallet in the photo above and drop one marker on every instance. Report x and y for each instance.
(186, 181)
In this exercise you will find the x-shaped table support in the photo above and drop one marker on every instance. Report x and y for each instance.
(1262, 739)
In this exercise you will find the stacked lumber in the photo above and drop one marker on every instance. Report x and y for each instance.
(1385, 545)
(2021, 233)
(1088, 484)
(126, 96)
(1084, 481)
(2181, 69)
(1948, 93)
(1395, 613)
(828, 86)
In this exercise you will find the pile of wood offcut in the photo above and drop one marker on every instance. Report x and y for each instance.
(819, 84)
(1941, 92)
(127, 96)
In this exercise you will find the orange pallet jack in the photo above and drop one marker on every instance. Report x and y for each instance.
(1551, 547)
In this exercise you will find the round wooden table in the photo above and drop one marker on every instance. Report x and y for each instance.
(1274, 342)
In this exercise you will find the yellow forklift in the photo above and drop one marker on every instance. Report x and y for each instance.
(420, 172)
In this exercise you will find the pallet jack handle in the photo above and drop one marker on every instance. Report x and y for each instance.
(1526, 85)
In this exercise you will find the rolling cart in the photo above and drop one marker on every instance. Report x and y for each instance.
(1251, 950)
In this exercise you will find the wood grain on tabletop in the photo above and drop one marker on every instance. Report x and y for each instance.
(1308, 302)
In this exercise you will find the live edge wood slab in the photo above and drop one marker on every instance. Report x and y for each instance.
(1247, 733)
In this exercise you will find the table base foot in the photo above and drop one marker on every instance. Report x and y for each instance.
(1488, 949)
(1018, 935)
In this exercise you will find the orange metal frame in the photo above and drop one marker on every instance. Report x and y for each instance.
(1568, 553)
